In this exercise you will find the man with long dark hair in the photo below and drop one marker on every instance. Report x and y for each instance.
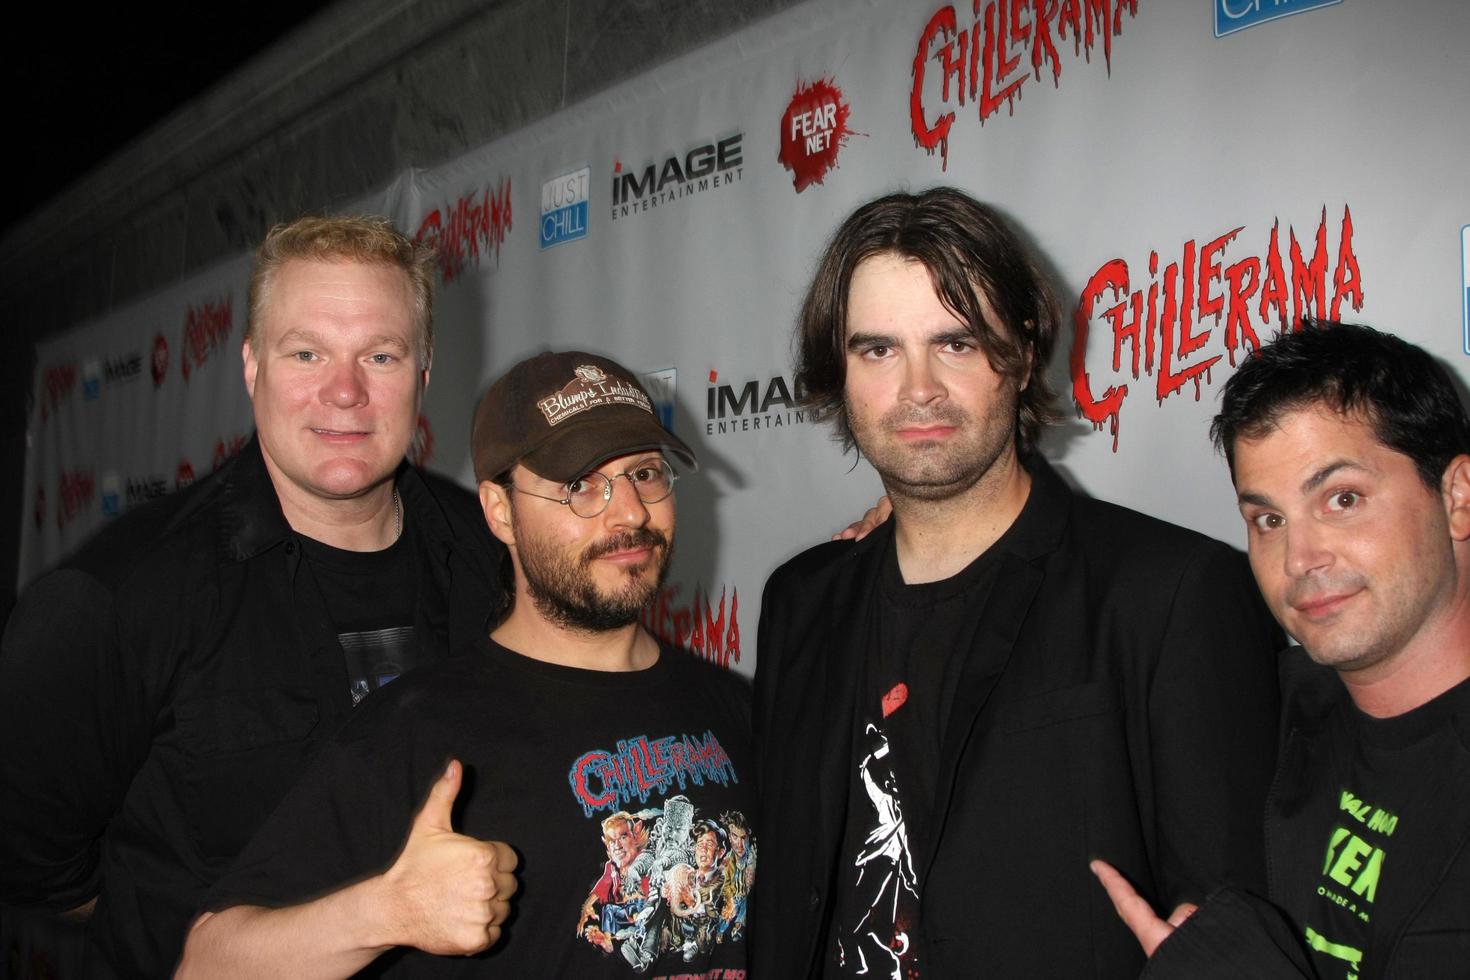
(1006, 678)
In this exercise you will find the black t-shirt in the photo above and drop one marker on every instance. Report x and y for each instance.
(626, 796)
(371, 595)
(923, 636)
(1382, 815)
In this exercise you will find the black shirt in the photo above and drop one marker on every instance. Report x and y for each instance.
(922, 638)
(556, 760)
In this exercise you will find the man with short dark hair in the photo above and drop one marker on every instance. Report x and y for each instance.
(1005, 678)
(1350, 453)
(607, 759)
(163, 687)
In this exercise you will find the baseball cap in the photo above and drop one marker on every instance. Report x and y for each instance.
(561, 414)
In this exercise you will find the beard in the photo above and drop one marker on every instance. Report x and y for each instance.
(565, 593)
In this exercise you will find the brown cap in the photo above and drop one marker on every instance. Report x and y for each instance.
(561, 414)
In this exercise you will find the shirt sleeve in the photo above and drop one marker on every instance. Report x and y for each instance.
(76, 726)
(1232, 935)
(1213, 715)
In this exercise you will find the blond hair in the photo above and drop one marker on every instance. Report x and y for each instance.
(367, 239)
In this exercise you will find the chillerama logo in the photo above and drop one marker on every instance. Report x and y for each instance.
(988, 61)
(75, 488)
(704, 168)
(704, 627)
(461, 232)
(638, 767)
(227, 449)
(206, 328)
(1237, 15)
(565, 200)
(813, 128)
(57, 382)
(184, 475)
(754, 403)
(1164, 318)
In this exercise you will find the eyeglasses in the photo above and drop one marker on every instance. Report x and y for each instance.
(588, 495)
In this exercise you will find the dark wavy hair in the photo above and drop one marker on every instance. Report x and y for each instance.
(970, 252)
(1401, 390)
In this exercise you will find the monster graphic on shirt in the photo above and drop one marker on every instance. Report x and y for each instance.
(676, 877)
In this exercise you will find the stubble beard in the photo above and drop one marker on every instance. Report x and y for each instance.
(938, 470)
(565, 593)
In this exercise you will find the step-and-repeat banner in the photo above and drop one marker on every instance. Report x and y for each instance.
(1196, 176)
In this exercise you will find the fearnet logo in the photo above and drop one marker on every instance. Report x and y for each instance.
(1237, 15)
(813, 128)
(565, 200)
(160, 360)
(707, 167)
(475, 225)
(989, 60)
(1166, 323)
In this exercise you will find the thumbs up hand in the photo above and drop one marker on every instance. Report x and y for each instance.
(448, 894)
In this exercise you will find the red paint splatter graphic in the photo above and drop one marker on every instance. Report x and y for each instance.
(700, 626)
(206, 328)
(57, 383)
(990, 60)
(160, 360)
(897, 696)
(813, 128)
(76, 490)
(459, 232)
(184, 475)
(1166, 317)
(421, 449)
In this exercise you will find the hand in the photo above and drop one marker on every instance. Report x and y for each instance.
(448, 894)
(1136, 913)
(860, 529)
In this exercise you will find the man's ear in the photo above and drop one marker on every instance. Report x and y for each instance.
(495, 503)
(247, 356)
(1455, 487)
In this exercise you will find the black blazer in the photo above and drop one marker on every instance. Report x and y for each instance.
(1133, 718)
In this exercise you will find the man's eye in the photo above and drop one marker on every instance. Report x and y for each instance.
(381, 358)
(1267, 521)
(304, 356)
(576, 488)
(959, 346)
(877, 350)
(1343, 500)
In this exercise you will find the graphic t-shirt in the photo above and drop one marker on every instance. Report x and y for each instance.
(625, 795)
(370, 596)
(1383, 814)
(922, 637)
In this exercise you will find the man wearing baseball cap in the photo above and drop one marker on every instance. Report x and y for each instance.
(573, 734)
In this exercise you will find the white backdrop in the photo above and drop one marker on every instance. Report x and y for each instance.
(1193, 173)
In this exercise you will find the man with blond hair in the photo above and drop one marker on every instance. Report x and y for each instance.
(163, 687)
